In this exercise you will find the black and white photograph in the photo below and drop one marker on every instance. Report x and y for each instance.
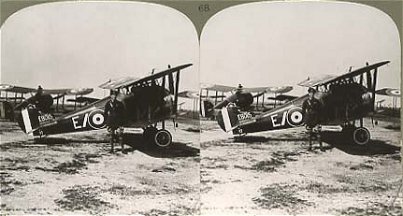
(200, 108)
(90, 95)
(300, 110)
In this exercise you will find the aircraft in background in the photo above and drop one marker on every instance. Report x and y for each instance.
(394, 110)
(193, 111)
(148, 101)
(246, 99)
(24, 95)
(389, 92)
(345, 99)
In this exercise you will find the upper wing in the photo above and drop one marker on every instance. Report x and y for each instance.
(219, 88)
(329, 79)
(189, 94)
(116, 83)
(128, 81)
(256, 89)
(274, 89)
(16, 89)
(24, 90)
(279, 89)
(77, 91)
(316, 80)
(389, 92)
(223, 88)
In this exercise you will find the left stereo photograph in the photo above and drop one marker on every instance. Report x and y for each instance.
(99, 110)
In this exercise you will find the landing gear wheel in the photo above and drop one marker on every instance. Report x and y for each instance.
(149, 133)
(162, 138)
(361, 136)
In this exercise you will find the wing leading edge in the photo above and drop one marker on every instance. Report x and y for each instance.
(129, 81)
(329, 78)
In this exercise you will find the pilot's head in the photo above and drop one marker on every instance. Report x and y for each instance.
(239, 89)
(114, 93)
(39, 91)
(311, 92)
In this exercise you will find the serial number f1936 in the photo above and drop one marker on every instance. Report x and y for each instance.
(45, 118)
(244, 116)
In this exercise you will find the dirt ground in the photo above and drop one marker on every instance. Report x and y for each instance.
(76, 174)
(274, 173)
(262, 173)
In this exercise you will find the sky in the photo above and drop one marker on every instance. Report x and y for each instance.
(84, 44)
(283, 43)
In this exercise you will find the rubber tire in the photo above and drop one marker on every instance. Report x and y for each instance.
(361, 136)
(162, 138)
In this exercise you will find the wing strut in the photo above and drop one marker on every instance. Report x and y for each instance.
(374, 87)
(263, 101)
(57, 103)
(171, 83)
(163, 81)
(369, 80)
(176, 90)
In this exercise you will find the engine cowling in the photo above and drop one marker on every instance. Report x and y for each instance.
(243, 100)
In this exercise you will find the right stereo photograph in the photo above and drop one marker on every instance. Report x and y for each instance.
(300, 110)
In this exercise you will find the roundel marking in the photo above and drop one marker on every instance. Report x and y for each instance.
(294, 116)
(395, 92)
(193, 94)
(276, 88)
(5, 86)
(80, 91)
(73, 91)
(97, 119)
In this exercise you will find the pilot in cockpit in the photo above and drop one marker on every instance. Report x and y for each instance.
(239, 90)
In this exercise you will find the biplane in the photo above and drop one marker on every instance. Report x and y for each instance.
(394, 93)
(394, 109)
(187, 97)
(345, 100)
(147, 100)
(49, 97)
(246, 99)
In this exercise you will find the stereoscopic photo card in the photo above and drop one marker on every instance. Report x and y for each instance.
(201, 107)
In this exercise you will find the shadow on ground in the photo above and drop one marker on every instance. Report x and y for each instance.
(61, 140)
(48, 141)
(176, 149)
(135, 141)
(255, 139)
(374, 147)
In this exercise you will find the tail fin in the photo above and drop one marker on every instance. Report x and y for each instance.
(31, 119)
(26, 125)
(227, 118)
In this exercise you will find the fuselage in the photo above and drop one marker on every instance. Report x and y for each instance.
(143, 106)
(339, 104)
